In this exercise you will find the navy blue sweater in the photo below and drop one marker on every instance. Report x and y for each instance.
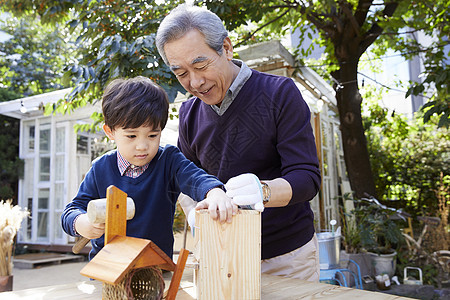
(155, 193)
(265, 131)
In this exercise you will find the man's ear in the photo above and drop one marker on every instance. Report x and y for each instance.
(228, 48)
(109, 133)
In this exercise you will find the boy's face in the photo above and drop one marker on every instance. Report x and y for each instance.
(137, 145)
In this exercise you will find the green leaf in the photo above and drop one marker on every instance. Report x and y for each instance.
(444, 120)
(114, 47)
(441, 78)
(86, 73)
(73, 23)
(106, 42)
(92, 72)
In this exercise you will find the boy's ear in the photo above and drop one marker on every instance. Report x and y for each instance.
(108, 132)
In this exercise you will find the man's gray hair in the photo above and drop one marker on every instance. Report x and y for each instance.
(185, 18)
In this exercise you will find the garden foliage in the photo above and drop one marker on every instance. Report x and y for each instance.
(410, 160)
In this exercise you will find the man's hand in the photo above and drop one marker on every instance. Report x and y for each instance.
(246, 190)
(219, 205)
(87, 229)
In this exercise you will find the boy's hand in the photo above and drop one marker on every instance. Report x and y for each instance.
(246, 191)
(219, 205)
(87, 229)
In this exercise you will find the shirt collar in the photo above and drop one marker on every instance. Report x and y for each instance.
(244, 74)
(125, 166)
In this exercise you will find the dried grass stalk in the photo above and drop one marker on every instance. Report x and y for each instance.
(10, 219)
(438, 238)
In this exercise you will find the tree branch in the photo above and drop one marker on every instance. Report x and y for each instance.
(315, 19)
(348, 12)
(374, 32)
(362, 10)
(404, 32)
(281, 6)
(249, 36)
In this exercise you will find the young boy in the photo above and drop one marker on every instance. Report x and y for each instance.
(135, 112)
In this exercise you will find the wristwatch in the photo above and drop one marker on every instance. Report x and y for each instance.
(266, 192)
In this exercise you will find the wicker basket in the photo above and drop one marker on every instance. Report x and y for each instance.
(139, 284)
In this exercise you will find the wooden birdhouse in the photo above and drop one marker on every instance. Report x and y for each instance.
(122, 254)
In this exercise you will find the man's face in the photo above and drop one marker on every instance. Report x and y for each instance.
(199, 69)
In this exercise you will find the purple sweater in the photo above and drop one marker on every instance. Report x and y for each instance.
(265, 131)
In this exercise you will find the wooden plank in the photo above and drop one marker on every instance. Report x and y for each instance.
(121, 254)
(229, 256)
(276, 287)
(31, 260)
(318, 140)
(116, 213)
(154, 256)
(112, 263)
(273, 287)
(85, 290)
(177, 274)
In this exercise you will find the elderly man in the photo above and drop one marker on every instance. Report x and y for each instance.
(241, 121)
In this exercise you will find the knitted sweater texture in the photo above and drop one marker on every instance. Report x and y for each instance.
(265, 131)
(155, 193)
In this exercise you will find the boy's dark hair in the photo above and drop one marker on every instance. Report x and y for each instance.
(135, 102)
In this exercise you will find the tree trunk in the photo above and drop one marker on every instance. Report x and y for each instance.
(354, 141)
(351, 34)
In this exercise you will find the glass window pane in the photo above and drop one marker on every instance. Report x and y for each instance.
(29, 177)
(44, 169)
(42, 224)
(337, 141)
(57, 230)
(60, 139)
(31, 137)
(59, 167)
(44, 141)
(29, 222)
(43, 204)
(325, 162)
(324, 135)
(44, 195)
(82, 144)
(59, 196)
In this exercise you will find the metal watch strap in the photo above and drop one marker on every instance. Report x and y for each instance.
(266, 192)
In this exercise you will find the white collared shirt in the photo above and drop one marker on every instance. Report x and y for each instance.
(244, 74)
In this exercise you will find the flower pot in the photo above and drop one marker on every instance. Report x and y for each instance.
(384, 263)
(6, 283)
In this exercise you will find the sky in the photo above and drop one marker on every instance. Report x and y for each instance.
(392, 69)
(3, 36)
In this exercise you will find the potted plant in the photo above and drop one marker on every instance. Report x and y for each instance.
(10, 219)
(352, 248)
(379, 233)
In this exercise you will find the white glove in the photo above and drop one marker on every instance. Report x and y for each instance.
(188, 206)
(191, 220)
(246, 191)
